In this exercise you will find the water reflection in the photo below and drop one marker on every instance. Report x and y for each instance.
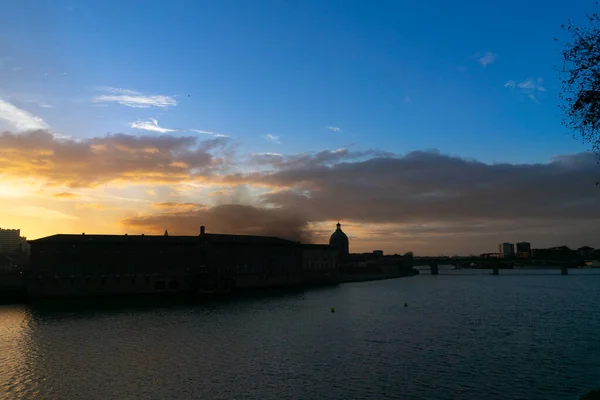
(461, 336)
(18, 377)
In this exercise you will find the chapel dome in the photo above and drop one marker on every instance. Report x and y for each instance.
(339, 241)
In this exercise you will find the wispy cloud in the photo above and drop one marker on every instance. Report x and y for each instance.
(207, 133)
(115, 90)
(65, 195)
(273, 138)
(529, 87)
(131, 98)
(46, 106)
(485, 59)
(333, 128)
(152, 126)
(20, 119)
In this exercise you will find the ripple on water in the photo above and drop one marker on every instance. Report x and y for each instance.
(474, 336)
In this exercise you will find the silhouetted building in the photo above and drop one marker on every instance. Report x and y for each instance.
(523, 249)
(585, 251)
(10, 239)
(558, 253)
(130, 264)
(490, 255)
(506, 250)
(319, 263)
(339, 241)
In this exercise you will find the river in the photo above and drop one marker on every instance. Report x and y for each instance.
(463, 334)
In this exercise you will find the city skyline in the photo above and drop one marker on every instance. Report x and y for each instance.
(283, 118)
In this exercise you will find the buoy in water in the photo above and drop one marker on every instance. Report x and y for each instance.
(332, 309)
(405, 304)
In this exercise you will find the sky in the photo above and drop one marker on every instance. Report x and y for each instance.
(421, 126)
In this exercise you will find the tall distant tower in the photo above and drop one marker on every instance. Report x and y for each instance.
(339, 241)
(506, 250)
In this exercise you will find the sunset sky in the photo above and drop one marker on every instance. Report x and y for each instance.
(427, 126)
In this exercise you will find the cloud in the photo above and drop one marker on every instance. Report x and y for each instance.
(333, 128)
(486, 59)
(19, 119)
(151, 125)
(131, 98)
(531, 88)
(65, 195)
(486, 203)
(46, 106)
(93, 161)
(208, 133)
(273, 138)
(229, 218)
(115, 90)
(310, 160)
(179, 206)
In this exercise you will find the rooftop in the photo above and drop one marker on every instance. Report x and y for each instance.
(207, 237)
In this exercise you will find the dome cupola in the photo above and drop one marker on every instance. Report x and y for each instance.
(339, 241)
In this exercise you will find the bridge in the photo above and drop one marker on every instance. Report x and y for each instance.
(479, 262)
(434, 268)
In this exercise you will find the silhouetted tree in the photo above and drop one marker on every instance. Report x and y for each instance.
(591, 395)
(581, 81)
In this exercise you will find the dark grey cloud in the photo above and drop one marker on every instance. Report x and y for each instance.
(427, 186)
(310, 160)
(423, 201)
(229, 218)
(446, 203)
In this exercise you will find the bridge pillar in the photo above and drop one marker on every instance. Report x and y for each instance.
(434, 268)
(496, 271)
(564, 271)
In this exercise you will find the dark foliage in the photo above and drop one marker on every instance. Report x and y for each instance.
(591, 395)
(581, 81)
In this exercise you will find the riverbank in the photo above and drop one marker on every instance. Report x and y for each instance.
(16, 293)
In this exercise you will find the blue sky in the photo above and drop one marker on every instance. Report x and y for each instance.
(398, 76)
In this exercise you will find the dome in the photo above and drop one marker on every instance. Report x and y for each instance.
(339, 241)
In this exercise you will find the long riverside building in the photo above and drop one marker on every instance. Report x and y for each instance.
(72, 265)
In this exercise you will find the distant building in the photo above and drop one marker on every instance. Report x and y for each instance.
(524, 250)
(558, 253)
(378, 253)
(506, 250)
(9, 240)
(490, 255)
(339, 241)
(585, 251)
(71, 265)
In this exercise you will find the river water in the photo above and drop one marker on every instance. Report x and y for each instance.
(463, 335)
